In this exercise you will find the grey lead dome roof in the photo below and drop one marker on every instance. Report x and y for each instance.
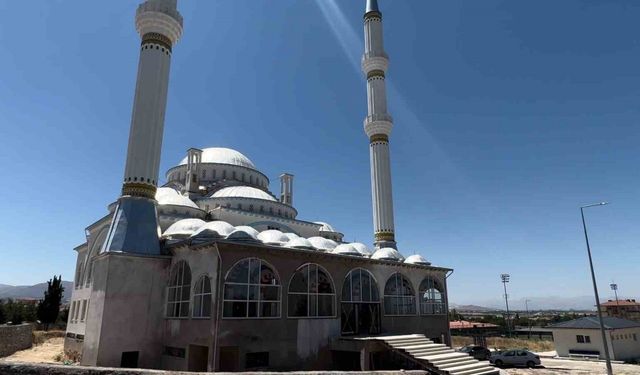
(243, 192)
(223, 155)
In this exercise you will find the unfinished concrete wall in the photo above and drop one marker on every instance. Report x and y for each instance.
(14, 338)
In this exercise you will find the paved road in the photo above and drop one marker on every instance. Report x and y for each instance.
(564, 367)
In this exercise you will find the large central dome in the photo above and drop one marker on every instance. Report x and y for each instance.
(223, 155)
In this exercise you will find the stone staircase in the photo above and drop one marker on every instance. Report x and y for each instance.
(437, 358)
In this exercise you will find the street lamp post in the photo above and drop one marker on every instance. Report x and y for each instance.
(505, 279)
(526, 306)
(595, 288)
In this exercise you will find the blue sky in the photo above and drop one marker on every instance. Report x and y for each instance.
(508, 116)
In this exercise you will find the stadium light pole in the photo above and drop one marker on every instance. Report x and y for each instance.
(526, 306)
(614, 287)
(505, 279)
(595, 288)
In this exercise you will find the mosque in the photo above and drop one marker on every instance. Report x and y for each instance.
(214, 272)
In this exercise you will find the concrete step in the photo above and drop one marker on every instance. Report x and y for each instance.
(421, 346)
(452, 354)
(461, 362)
(407, 339)
(440, 362)
(488, 370)
(430, 353)
(466, 366)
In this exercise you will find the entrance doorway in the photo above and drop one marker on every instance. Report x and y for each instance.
(198, 358)
(360, 318)
(360, 307)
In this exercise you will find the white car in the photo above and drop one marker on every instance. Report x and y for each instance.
(515, 358)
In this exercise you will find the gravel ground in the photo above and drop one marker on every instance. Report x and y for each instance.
(564, 366)
(43, 353)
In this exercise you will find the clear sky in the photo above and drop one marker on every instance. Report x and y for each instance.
(509, 115)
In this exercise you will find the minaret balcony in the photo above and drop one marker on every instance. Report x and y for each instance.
(378, 124)
(374, 61)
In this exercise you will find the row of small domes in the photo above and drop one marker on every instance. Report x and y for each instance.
(197, 229)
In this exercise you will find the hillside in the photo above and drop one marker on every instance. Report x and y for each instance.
(32, 291)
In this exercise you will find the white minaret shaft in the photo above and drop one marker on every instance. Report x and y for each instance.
(160, 26)
(134, 227)
(377, 126)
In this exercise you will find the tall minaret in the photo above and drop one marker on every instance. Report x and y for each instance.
(134, 227)
(377, 126)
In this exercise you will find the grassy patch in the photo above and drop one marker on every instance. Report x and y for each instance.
(535, 345)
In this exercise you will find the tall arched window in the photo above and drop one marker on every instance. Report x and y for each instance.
(431, 297)
(179, 290)
(311, 293)
(251, 290)
(399, 298)
(360, 286)
(202, 298)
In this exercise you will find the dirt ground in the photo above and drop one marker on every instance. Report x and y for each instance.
(43, 353)
(569, 367)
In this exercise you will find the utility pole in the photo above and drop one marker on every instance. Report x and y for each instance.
(595, 289)
(505, 279)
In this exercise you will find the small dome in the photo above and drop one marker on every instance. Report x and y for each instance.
(299, 243)
(273, 237)
(362, 249)
(388, 253)
(243, 233)
(183, 228)
(223, 155)
(291, 236)
(346, 249)
(325, 227)
(214, 229)
(322, 243)
(417, 259)
(170, 196)
(243, 192)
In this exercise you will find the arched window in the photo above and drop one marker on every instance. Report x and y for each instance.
(311, 292)
(202, 298)
(360, 286)
(399, 298)
(95, 250)
(431, 297)
(178, 291)
(251, 290)
(224, 174)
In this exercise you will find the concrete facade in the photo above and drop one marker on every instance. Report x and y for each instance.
(128, 310)
(624, 344)
(14, 338)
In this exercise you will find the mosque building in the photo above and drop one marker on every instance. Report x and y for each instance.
(214, 272)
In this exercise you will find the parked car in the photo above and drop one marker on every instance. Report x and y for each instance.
(515, 357)
(477, 352)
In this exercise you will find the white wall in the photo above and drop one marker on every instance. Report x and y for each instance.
(620, 349)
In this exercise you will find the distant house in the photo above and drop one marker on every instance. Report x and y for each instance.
(582, 337)
(626, 309)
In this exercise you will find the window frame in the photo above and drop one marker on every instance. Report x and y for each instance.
(431, 284)
(334, 294)
(181, 284)
(396, 276)
(202, 295)
(248, 284)
(374, 283)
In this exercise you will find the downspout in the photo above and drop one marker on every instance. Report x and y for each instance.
(446, 290)
(216, 321)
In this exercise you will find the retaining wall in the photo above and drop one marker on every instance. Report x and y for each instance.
(14, 338)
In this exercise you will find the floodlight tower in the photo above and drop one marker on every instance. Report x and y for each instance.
(505, 279)
(614, 287)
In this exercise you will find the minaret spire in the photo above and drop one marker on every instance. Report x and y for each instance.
(134, 227)
(377, 126)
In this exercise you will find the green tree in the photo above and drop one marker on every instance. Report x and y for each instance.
(3, 314)
(14, 311)
(49, 307)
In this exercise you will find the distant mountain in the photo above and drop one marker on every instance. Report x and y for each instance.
(32, 291)
(564, 303)
(474, 308)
